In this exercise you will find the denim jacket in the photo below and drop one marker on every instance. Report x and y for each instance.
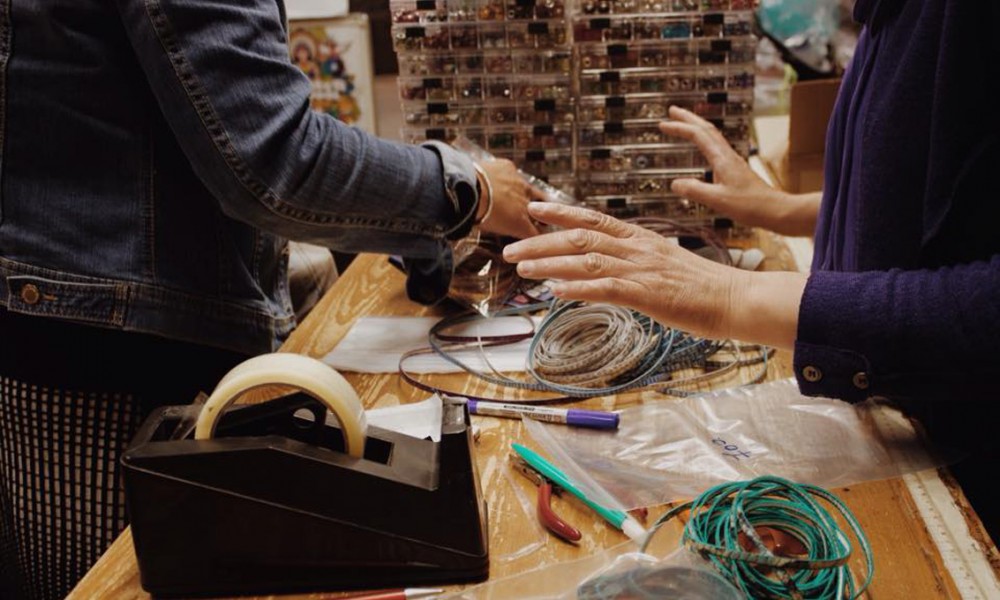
(155, 154)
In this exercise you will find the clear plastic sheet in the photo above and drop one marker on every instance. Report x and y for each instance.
(618, 573)
(636, 575)
(670, 450)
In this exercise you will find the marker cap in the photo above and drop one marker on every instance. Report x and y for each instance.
(592, 418)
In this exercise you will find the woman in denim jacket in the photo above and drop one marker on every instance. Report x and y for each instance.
(154, 157)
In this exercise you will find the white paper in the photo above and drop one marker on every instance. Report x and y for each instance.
(420, 419)
(375, 345)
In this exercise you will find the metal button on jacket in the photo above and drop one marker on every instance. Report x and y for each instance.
(812, 374)
(30, 294)
(861, 380)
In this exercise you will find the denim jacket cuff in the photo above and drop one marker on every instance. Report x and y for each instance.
(460, 186)
(428, 279)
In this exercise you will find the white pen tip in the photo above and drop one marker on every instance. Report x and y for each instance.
(422, 592)
(633, 530)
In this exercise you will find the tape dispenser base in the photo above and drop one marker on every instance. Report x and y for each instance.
(271, 504)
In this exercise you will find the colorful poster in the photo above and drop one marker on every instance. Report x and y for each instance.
(336, 56)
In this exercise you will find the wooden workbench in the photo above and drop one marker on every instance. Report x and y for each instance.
(952, 558)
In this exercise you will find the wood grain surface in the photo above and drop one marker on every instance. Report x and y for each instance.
(908, 565)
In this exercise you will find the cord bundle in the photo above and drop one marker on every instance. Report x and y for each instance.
(583, 347)
(584, 350)
(724, 522)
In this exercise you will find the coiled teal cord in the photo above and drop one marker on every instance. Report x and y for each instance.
(722, 513)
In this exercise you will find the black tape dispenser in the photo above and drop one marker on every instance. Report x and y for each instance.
(274, 498)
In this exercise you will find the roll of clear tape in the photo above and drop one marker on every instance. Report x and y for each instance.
(289, 370)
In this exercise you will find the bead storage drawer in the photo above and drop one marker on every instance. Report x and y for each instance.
(533, 112)
(645, 7)
(573, 92)
(673, 207)
(642, 158)
(685, 53)
(479, 89)
(500, 139)
(632, 107)
(628, 28)
(482, 62)
(437, 11)
(529, 137)
(617, 133)
(715, 106)
(451, 36)
(541, 163)
(653, 184)
(645, 80)
(634, 60)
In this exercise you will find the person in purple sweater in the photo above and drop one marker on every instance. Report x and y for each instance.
(903, 301)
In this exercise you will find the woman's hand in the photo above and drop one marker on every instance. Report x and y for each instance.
(511, 196)
(737, 191)
(601, 259)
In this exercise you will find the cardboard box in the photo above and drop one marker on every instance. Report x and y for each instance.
(792, 146)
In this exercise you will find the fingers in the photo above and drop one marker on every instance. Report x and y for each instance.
(567, 243)
(592, 265)
(710, 146)
(695, 129)
(682, 114)
(606, 290)
(693, 189)
(573, 217)
(536, 194)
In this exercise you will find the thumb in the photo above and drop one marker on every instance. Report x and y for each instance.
(708, 194)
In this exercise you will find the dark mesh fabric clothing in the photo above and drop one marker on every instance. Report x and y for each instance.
(71, 398)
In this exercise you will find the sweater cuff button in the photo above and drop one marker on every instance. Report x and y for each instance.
(812, 374)
(861, 380)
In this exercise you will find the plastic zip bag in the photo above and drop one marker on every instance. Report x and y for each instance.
(636, 575)
(670, 450)
(482, 280)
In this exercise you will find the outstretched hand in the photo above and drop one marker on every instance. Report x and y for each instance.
(737, 191)
(601, 259)
(597, 258)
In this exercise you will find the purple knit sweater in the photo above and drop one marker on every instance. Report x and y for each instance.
(904, 297)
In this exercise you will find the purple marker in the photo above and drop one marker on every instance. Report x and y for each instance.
(594, 419)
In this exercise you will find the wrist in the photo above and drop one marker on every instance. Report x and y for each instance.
(797, 213)
(764, 307)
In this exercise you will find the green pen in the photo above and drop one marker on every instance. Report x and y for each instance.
(620, 519)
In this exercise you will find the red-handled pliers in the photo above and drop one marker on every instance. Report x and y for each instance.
(549, 519)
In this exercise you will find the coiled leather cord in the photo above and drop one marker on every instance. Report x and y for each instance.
(588, 350)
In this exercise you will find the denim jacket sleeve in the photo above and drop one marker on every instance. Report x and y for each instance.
(221, 74)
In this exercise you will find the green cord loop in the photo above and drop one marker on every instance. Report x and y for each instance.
(722, 513)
